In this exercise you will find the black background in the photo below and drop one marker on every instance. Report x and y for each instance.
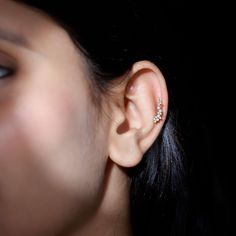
(199, 52)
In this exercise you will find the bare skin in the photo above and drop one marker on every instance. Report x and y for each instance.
(62, 170)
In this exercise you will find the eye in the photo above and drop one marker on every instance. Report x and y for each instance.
(5, 72)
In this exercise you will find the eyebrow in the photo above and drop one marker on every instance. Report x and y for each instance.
(18, 40)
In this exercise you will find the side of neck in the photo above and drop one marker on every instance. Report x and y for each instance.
(113, 215)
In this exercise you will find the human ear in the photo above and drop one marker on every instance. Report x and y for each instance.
(132, 130)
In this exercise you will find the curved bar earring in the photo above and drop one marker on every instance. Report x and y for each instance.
(159, 114)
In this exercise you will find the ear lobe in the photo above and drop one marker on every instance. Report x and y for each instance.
(125, 150)
(133, 130)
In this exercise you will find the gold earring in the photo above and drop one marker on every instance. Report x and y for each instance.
(159, 114)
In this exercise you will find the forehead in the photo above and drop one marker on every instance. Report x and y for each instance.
(21, 18)
(31, 28)
(28, 26)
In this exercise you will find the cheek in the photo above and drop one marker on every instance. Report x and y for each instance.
(50, 128)
(46, 158)
(46, 119)
(59, 129)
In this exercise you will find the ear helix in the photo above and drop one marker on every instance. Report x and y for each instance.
(158, 117)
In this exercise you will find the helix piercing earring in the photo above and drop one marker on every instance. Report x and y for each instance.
(159, 114)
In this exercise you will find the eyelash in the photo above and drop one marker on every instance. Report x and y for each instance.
(5, 69)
